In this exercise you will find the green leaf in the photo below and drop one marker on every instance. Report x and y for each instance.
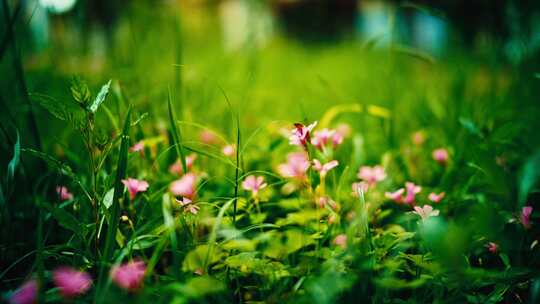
(64, 218)
(80, 91)
(108, 198)
(530, 174)
(100, 97)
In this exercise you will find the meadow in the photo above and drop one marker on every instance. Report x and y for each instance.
(157, 164)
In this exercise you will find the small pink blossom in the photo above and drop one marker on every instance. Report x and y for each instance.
(525, 216)
(359, 187)
(324, 168)
(296, 166)
(341, 241)
(301, 134)
(176, 167)
(492, 247)
(324, 137)
(412, 190)
(185, 186)
(327, 201)
(63, 193)
(436, 198)
(229, 150)
(371, 175)
(425, 211)
(26, 294)
(135, 186)
(129, 276)
(188, 205)
(418, 138)
(207, 137)
(137, 147)
(254, 184)
(396, 196)
(71, 282)
(440, 155)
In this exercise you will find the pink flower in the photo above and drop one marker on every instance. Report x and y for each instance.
(371, 175)
(492, 247)
(525, 217)
(296, 166)
(138, 147)
(185, 186)
(359, 187)
(440, 155)
(341, 241)
(301, 134)
(135, 186)
(327, 201)
(176, 167)
(396, 196)
(26, 294)
(64, 193)
(207, 137)
(71, 282)
(229, 150)
(188, 205)
(436, 198)
(412, 190)
(343, 129)
(324, 137)
(323, 169)
(418, 138)
(254, 184)
(425, 211)
(130, 275)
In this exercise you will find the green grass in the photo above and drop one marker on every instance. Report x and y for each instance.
(278, 246)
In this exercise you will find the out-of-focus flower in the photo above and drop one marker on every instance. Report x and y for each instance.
(396, 196)
(525, 216)
(418, 138)
(412, 190)
(436, 198)
(425, 211)
(138, 147)
(301, 134)
(440, 155)
(129, 276)
(371, 175)
(135, 186)
(176, 167)
(327, 201)
(341, 241)
(492, 247)
(254, 184)
(63, 193)
(207, 137)
(71, 282)
(343, 129)
(188, 205)
(296, 166)
(229, 150)
(324, 137)
(26, 294)
(324, 168)
(359, 187)
(185, 186)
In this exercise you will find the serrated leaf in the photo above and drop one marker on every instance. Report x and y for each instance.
(100, 97)
(80, 91)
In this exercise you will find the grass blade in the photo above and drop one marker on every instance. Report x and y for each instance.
(176, 135)
(118, 191)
